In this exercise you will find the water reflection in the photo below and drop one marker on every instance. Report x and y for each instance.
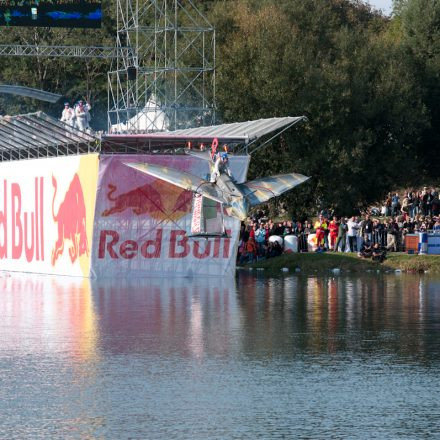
(279, 316)
(394, 314)
(248, 357)
(44, 314)
(160, 316)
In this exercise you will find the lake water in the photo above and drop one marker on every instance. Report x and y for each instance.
(303, 357)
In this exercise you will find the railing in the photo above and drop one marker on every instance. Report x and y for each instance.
(392, 241)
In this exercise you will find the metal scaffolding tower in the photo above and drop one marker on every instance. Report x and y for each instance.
(171, 64)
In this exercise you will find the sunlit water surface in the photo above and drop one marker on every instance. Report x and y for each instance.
(292, 357)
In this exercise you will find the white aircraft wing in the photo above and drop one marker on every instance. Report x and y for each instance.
(261, 190)
(181, 179)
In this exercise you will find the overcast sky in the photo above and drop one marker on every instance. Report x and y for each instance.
(384, 5)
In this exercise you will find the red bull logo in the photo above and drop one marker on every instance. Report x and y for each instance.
(71, 220)
(175, 245)
(161, 201)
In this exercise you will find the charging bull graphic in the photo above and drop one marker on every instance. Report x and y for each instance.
(160, 201)
(71, 219)
(141, 200)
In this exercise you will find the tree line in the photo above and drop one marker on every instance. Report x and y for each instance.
(368, 84)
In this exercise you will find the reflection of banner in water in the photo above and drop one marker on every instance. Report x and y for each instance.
(48, 315)
(165, 315)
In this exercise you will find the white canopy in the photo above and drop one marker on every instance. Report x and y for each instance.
(150, 119)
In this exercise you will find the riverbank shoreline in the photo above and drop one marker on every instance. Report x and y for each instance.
(348, 262)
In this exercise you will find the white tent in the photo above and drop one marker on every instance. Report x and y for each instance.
(150, 119)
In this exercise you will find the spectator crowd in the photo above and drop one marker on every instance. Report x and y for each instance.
(382, 228)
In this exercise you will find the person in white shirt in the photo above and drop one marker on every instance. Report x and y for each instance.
(82, 116)
(68, 115)
(353, 228)
(260, 238)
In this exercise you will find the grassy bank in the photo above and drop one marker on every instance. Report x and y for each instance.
(311, 262)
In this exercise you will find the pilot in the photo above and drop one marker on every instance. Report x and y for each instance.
(221, 164)
(225, 161)
(217, 159)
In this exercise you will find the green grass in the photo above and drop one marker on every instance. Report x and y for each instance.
(311, 262)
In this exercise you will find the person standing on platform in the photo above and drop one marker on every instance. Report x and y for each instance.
(82, 116)
(68, 115)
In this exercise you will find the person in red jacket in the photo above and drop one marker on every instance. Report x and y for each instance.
(250, 252)
(333, 227)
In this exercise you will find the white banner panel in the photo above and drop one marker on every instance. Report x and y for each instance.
(46, 214)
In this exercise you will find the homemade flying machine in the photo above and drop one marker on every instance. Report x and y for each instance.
(220, 191)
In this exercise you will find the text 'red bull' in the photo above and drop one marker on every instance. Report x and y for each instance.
(25, 228)
(179, 246)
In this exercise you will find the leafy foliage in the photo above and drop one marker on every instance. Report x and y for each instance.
(334, 62)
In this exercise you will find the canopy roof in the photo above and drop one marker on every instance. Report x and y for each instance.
(39, 135)
(232, 134)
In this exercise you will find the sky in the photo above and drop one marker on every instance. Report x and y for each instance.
(384, 5)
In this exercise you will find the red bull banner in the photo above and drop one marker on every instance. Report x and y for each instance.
(46, 214)
(93, 215)
(142, 224)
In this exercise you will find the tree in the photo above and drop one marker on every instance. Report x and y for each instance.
(421, 39)
(333, 62)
